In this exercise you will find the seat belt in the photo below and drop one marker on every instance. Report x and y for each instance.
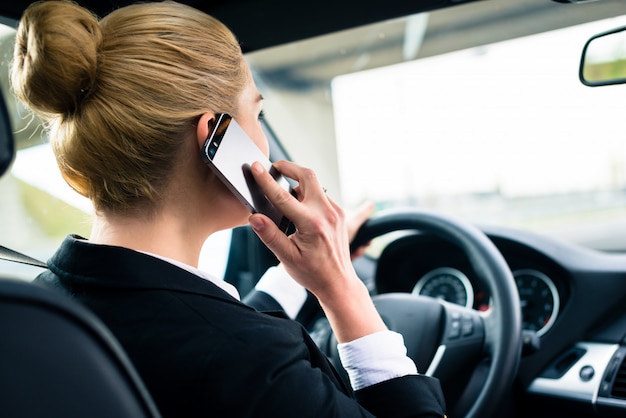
(10, 255)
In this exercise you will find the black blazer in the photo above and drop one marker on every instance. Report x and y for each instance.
(202, 353)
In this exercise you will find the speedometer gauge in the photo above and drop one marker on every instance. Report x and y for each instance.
(448, 284)
(539, 300)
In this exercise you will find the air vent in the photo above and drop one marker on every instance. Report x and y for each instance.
(619, 383)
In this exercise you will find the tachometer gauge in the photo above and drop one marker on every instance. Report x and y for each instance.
(539, 300)
(448, 284)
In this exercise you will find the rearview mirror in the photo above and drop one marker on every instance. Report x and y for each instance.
(603, 61)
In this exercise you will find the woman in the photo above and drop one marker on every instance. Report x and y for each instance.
(128, 102)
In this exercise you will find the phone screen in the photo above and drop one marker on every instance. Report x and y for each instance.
(229, 152)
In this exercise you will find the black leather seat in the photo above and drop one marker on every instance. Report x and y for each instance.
(58, 360)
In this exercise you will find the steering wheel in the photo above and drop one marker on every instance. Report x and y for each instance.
(474, 354)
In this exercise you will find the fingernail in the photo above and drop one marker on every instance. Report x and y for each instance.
(256, 223)
(257, 167)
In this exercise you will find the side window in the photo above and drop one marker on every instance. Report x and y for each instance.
(38, 209)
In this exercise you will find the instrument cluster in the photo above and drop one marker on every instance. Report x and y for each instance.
(428, 266)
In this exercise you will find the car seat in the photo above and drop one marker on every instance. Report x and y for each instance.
(57, 359)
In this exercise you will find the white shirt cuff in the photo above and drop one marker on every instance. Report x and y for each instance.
(375, 358)
(285, 290)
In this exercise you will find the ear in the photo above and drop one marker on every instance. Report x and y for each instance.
(205, 127)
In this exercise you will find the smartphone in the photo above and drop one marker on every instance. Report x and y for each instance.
(229, 152)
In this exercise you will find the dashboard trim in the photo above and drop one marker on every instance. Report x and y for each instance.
(570, 385)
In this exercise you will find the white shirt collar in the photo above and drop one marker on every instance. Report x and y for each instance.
(227, 287)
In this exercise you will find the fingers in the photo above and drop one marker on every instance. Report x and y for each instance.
(272, 237)
(300, 213)
(321, 232)
(308, 183)
(265, 229)
(308, 188)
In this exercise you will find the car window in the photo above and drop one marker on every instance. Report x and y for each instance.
(37, 210)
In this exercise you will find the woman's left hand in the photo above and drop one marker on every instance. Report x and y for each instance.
(354, 221)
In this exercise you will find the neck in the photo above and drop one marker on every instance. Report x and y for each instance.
(164, 234)
(195, 205)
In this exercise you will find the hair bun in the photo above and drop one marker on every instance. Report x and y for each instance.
(56, 56)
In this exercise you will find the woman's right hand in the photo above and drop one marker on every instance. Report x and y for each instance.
(317, 255)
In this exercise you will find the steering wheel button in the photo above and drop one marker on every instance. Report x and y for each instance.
(468, 327)
(455, 329)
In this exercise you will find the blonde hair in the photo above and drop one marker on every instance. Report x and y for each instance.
(119, 95)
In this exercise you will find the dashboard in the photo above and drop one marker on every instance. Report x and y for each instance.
(573, 303)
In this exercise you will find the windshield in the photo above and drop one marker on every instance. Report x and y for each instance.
(499, 133)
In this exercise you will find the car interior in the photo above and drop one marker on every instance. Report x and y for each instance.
(489, 135)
